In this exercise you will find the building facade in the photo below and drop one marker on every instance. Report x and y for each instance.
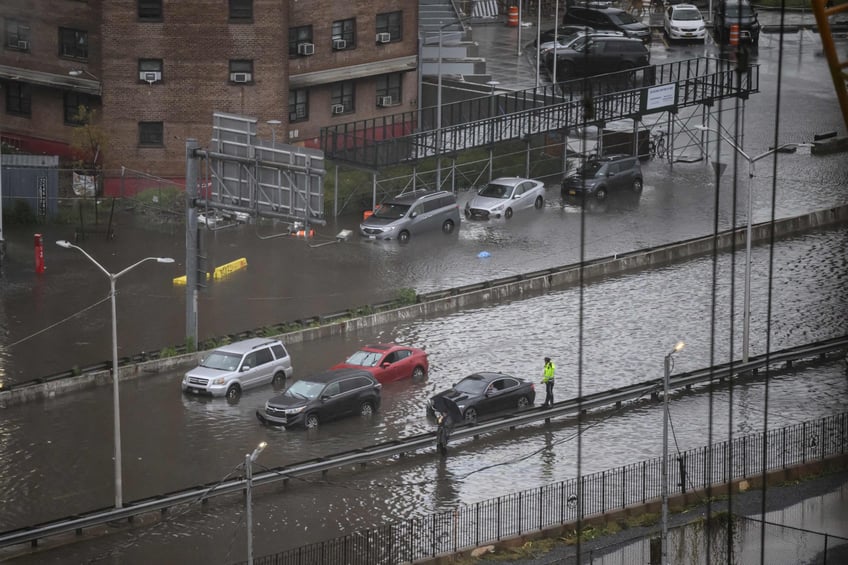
(154, 71)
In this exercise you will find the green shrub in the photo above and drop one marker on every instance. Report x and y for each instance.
(406, 296)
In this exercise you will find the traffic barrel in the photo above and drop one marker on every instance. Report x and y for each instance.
(734, 34)
(512, 19)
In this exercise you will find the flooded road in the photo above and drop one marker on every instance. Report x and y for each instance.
(172, 441)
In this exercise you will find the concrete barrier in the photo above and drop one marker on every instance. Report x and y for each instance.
(453, 300)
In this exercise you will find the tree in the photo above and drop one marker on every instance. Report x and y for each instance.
(87, 142)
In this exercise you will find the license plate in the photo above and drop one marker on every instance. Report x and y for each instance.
(372, 237)
(194, 391)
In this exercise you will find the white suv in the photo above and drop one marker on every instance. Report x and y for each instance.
(230, 369)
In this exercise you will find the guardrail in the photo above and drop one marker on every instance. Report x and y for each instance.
(613, 398)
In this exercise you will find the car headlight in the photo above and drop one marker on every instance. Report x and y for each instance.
(498, 208)
(461, 407)
(218, 381)
(389, 228)
(290, 411)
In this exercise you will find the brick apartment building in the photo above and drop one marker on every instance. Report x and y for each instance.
(156, 70)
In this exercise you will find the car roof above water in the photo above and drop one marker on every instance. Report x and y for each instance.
(246, 345)
(331, 375)
(415, 195)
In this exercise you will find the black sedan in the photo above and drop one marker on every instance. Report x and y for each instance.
(487, 393)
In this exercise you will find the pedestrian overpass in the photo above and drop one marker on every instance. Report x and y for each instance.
(507, 116)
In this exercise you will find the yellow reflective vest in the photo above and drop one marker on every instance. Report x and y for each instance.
(549, 372)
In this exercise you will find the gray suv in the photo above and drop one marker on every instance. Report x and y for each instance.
(412, 213)
(230, 369)
(597, 176)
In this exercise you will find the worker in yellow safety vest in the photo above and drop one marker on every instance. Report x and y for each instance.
(548, 381)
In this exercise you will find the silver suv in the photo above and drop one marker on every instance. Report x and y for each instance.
(230, 369)
(412, 213)
(597, 176)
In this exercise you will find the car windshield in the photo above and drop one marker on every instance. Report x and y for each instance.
(305, 390)
(589, 169)
(623, 18)
(739, 11)
(364, 359)
(471, 385)
(493, 190)
(391, 211)
(221, 361)
(688, 15)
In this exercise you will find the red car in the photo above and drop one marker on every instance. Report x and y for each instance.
(389, 362)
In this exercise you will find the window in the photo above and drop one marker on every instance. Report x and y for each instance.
(298, 105)
(341, 94)
(73, 43)
(388, 89)
(241, 11)
(17, 35)
(298, 35)
(18, 99)
(150, 134)
(150, 10)
(73, 101)
(344, 34)
(150, 70)
(391, 23)
(241, 71)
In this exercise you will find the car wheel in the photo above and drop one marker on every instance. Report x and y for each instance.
(637, 185)
(601, 193)
(470, 415)
(403, 236)
(523, 403)
(508, 213)
(448, 226)
(279, 377)
(467, 214)
(311, 421)
(418, 374)
(233, 393)
(366, 409)
(539, 202)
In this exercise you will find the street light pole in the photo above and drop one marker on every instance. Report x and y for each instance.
(746, 312)
(667, 367)
(248, 475)
(115, 392)
(273, 124)
(438, 143)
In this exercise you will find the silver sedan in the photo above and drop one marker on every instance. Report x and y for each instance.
(503, 196)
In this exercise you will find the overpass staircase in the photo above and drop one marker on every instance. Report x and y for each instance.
(515, 115)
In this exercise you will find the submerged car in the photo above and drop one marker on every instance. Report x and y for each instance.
(598, 176)
(483, 394)
(504, 196)
(412, 213)
(230, 369)
(389, 362)
(323, 397)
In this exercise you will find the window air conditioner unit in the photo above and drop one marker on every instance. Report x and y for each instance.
(339, 44)
(384, 101)
(337, 108)
(305, 48)
(384, 37)
(294, 133)
(150, 76)
(23, 45)
(240, 77)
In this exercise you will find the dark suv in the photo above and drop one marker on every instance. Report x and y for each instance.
(727, 13)
(597, 176)
(601, 54)
(321, 397)
(613, 19)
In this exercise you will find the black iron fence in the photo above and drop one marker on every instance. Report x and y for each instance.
(487, 521)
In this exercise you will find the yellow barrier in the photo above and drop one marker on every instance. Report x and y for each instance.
(220, 272)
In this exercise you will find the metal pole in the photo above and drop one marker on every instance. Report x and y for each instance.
(248, 475)
(539, 36)
(439, 116)
(116, 399)
(192, 236)
(556, 44)
(664, 552)
(336, 193)
(518, 52)
(746, 316)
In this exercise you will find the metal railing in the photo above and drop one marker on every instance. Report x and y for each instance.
(488, 521)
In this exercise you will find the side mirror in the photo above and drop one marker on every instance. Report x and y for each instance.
(413, 214)
(324, 398)
(245, 368)
(385, 364)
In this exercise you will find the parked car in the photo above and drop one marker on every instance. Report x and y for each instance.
(727, 13)
(546, 51)
(483, 394)
(562, 32)
(684, 21)
(412, 213)
(323, 397)
(613, 19)
(504, 196)
(389, 362)
(231, 369)
(600, 55)
(598, 176)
